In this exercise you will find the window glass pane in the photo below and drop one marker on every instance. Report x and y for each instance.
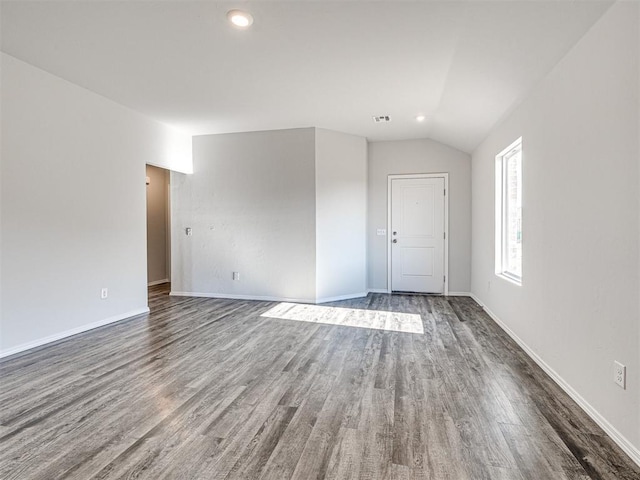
(513, 213)
(509, 212)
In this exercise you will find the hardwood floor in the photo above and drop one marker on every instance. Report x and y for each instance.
(210, 389)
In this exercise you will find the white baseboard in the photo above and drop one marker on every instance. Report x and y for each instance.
(450, 294)
(73, 331)
(242, 297)
(342, 297)
(262, 298)
(616, 436)
(157, 282)
(378, 290)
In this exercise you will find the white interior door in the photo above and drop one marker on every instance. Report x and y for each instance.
(417, 234)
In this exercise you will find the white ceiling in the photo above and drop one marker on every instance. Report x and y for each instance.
(303, 63)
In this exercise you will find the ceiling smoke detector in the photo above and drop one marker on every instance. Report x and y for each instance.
(382, 119)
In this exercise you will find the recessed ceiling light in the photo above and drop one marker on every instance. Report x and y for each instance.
(420, 118)
(239, 18)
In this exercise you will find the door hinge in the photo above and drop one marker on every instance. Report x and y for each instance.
(445, 192)
(444, 279)
(444, 235)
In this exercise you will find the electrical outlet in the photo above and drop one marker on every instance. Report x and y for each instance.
(104, 293)
(620, 374)
(236, 275)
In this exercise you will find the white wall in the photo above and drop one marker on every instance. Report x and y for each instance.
(251, 205)
(341, 215)
(577, 308)
(158, 255)
(173, 151)
(73, 206)
(638, 216)
(420, 156)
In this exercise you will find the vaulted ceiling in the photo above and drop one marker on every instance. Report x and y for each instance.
(464, 65)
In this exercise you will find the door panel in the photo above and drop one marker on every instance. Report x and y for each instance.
(417, 235)
(417, 261)
(413, 221)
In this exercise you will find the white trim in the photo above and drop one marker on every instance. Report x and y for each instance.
(342, 297)
(74, 331)
(231, 296)
(450, 294)
(444, 175)
(269, 298)
(596, 416)
(508, 278)
(157, 282)
(477, 300)
(501, 219)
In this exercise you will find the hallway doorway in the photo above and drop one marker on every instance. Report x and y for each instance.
(158, 226)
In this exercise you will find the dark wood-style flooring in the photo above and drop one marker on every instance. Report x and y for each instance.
(210, 389)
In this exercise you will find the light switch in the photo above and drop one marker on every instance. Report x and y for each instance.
(382, 232)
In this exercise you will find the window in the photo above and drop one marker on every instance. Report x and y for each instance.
(509, 212)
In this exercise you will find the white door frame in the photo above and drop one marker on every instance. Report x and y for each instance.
(446, 222)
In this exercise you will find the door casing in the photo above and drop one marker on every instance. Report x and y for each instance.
(446, 222)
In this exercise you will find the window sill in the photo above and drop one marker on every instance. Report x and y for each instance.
(510, 278)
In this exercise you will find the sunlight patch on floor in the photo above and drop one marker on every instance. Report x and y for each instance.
(348, 317)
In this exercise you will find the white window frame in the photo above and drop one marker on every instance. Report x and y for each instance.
(501, 212)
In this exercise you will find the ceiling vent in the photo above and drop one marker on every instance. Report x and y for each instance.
(382, 119)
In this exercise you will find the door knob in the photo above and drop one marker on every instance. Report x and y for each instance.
(395, 240)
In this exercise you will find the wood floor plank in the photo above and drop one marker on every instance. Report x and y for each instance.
(287, 453)
(213, 389)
